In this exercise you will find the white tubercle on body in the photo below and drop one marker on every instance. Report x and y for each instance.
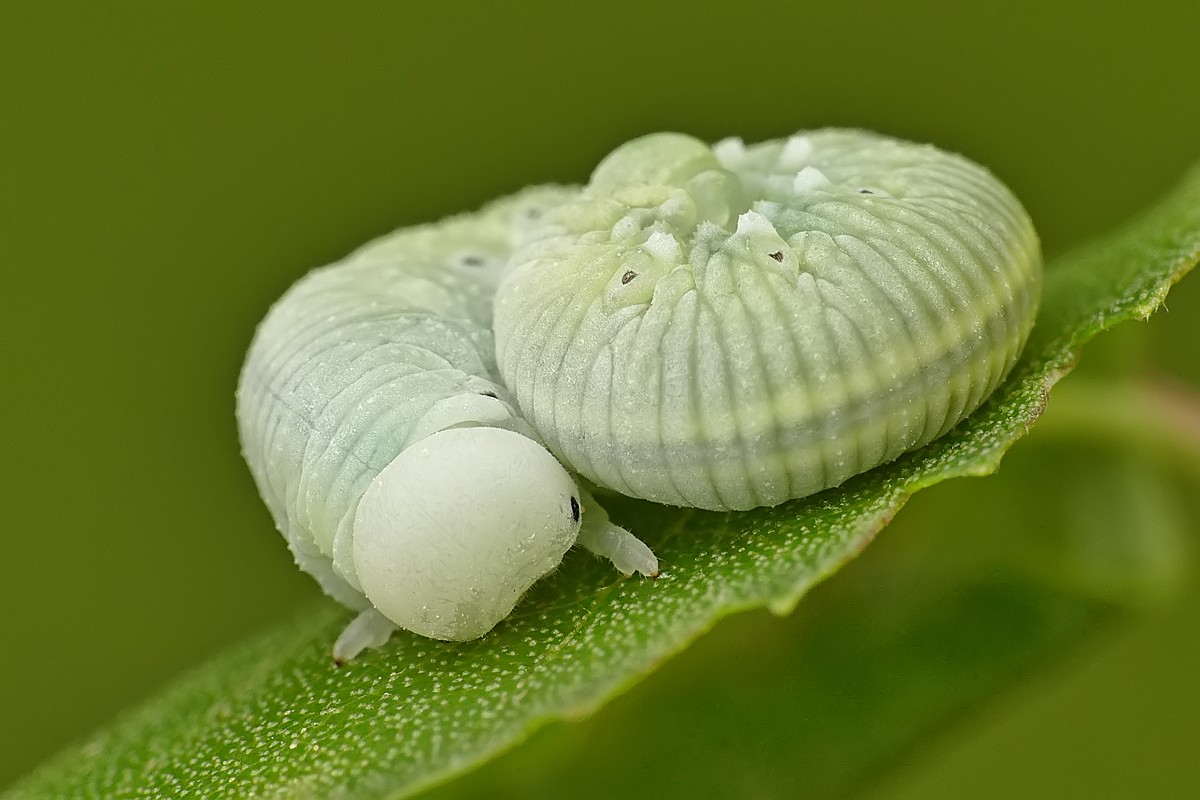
(809, 179)
(796, 152)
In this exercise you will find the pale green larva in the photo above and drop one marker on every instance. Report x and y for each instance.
(388, 451)
(730, 327)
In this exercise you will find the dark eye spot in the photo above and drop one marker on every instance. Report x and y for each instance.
(472, 261)
(865, 191)
(490, 394)
(628, 276)
(574, 509)
(777, 255)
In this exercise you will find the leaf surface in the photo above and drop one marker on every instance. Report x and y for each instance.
(931, 623)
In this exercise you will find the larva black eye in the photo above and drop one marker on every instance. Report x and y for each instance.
(472, 261)
(574, 509)
(627, 277)
(490, 394)
(865, 190)
(777, 255)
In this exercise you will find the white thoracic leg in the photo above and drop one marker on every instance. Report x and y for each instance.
(368, 629)
(628, 553)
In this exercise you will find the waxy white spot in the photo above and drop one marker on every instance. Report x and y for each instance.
(795, 153)
(662, 246)
(810, 179)
(674, 205)
(625, 227)
(730, 152)
(752, 222)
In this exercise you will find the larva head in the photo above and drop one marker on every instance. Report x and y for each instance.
(454, 530)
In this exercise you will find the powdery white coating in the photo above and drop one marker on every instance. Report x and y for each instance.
(662, 246)
(809, 179)
(448, 563)
(839, 298)
(796, 152)
(731, 150)
(365, 359)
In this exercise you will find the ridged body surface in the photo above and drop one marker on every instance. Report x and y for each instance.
(360, 360)
(732, 327)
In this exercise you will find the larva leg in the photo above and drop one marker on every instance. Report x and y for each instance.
(628, 553)
(368, 629)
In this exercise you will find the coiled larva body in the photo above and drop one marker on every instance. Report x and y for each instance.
(733, 327)
(389, 453)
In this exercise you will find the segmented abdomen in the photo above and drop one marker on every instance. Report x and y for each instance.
(354, 363)
(734, 329)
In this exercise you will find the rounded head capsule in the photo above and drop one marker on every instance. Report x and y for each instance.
(454, 530)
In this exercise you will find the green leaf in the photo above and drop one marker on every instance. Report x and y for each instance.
(274, 718)
(931, 621)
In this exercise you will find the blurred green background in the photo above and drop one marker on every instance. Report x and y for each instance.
(166, 171)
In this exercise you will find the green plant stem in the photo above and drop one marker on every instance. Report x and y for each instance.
(1147, 415)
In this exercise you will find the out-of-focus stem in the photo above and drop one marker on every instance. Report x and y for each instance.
(1154, 417)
